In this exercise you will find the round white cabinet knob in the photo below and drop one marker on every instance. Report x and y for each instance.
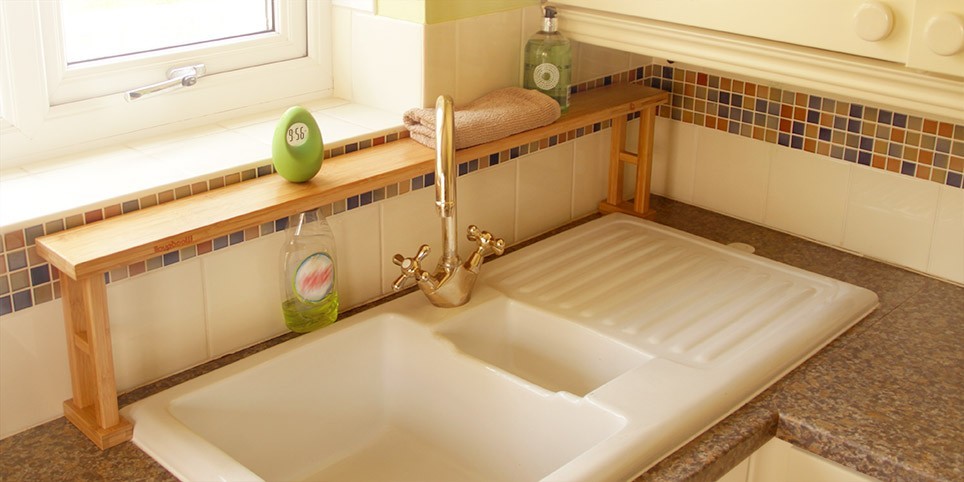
(873, 21)
(944, 34)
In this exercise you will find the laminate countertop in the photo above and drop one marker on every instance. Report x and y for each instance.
(885, 398)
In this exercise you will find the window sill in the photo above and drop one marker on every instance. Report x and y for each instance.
(70, 185)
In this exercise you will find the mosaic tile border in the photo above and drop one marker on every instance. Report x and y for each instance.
(26, 280)
(912, 145)
(867, 135)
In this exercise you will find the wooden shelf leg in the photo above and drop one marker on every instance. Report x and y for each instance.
(644, 160)
(614, 194)
(644, 166)
(93, 408)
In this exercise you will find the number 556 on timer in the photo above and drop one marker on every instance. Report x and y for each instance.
(296, 148)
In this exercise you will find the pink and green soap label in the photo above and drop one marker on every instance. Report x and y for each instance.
(315, 278)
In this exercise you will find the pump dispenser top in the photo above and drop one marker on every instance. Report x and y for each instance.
(548, 61)
(549, 22)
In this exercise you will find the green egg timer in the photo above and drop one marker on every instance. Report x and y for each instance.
(296, 148)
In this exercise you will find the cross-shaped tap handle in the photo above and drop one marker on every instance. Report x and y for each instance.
(411, 267)
(485, 240)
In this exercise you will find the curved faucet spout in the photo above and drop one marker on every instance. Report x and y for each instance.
(452, 282)
(445, 174)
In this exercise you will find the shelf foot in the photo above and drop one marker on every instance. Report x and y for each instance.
(625, 208)
(86, 422)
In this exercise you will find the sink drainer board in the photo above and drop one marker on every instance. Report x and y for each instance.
(674, 295)
(587, 356)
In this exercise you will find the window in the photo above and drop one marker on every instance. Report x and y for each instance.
(66, 65)
(105, 29)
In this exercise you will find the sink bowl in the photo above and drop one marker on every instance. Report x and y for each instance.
(540, 347)
(589, 356)
(378, 400)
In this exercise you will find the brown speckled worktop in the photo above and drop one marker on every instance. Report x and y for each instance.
(886, 398)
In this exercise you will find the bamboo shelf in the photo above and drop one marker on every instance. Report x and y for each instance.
(84, 253)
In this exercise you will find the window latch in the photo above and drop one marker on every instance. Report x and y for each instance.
(177, 77)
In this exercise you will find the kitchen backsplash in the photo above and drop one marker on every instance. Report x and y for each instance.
(852, 131)
(863, 134)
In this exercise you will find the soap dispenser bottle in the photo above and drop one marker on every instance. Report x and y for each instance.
(308, 266)
(548, 61)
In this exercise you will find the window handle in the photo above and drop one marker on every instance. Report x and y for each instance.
(177, 77)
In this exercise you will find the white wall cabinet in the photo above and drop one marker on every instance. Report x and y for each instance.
(834, 25)
(937, 37)
(923, 34)
(882, 51)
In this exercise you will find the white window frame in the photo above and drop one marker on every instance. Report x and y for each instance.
(37, 123)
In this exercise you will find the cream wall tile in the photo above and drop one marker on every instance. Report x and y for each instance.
(637, 60)
(260, 126)
(113, 175)
(242, 289)
(590, 173)
(731, 174)
(409, 221)
(334, 130)
(34, 375)
(341, 51)
(594, 61)
(370, 118)
(486, 199)
(531, 22)
(489, 55)
(157, 323)
(947, 248)
(674, 157)
(807, 194)
(891, 217)
(358, 254)
(441, 50)
(387, 78)
(545, 190)
(216, 151)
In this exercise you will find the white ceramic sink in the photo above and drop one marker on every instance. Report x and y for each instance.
(380, 399)
(588, 356)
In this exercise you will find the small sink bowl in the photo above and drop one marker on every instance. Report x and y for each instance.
(382, 399)
(540, 347)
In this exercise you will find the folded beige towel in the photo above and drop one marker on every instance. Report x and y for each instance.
(495, 115)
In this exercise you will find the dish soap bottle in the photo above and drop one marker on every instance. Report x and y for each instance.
(548, 61)
(310, 298)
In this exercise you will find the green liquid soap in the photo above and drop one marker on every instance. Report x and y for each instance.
(310, 299)
(301, 317)
(548, 62)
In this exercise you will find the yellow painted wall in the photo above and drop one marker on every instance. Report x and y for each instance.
(437, 11)
(409, 10)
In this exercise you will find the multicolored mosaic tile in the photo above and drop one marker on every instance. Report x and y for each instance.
(912, 145)
(27, 280)
(856, 132)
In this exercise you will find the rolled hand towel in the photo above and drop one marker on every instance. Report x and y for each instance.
(495, 115)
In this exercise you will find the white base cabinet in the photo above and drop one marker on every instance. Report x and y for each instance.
(780, 461)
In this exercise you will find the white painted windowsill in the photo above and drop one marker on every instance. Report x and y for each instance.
(68, 185)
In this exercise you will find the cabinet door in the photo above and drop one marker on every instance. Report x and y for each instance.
(781, 461)
(877, 29)
(937, 38)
